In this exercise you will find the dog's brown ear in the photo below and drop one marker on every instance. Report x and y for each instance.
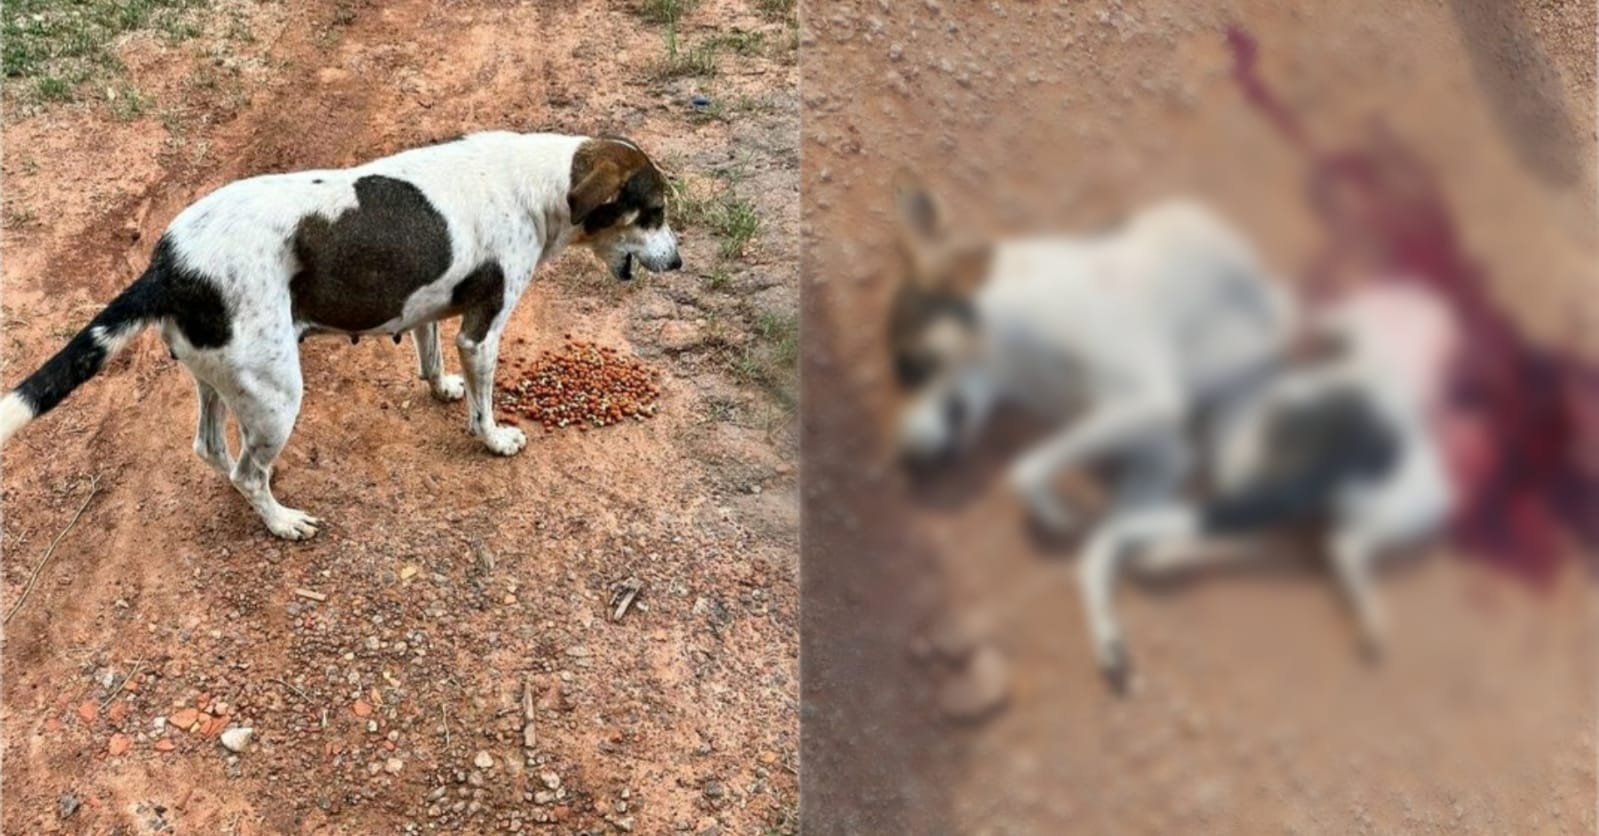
(599, 186)
(920, 217)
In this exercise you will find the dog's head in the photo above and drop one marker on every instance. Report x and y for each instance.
(618, 199)
(934, 332)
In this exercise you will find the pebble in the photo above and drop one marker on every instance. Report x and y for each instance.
(978, 690)
(236, 738)
(551, 780)
(393, 766)
(483, 760)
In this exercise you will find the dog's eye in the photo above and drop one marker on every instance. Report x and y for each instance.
(911, 370)
(652, 218)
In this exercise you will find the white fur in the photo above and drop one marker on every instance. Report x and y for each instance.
(14, 415)
(1399, 342)
(503, 197)
(1136, 327)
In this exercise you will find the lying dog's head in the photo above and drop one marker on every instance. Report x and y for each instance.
(618, 198)
(934, 334)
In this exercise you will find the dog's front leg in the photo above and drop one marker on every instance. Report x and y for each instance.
(478, 358)
(1108, 427)
(430, 364)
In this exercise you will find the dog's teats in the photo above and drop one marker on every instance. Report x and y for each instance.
(454, 229)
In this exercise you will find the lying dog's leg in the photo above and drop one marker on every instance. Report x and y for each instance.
(266, 404)
(1352, 556)
(1114, 541)
(430, 364)
(210, 433)
(478, 359)
(1106, 428)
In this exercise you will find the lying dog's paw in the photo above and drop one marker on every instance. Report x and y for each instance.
(291, 524)
(506, 441)
(1116, 667)
(450, 387)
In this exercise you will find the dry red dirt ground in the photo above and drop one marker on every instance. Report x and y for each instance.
(452, 595)
(1253, 713)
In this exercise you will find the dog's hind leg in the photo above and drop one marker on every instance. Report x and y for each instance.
(265, 398)
(430, 364)
(210, 432)
(1113, 542)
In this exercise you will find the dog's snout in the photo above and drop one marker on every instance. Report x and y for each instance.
(676, 263)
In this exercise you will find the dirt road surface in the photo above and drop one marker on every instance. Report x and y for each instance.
(449, 586)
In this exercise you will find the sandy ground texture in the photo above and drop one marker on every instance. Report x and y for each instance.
(1252, 712)
(442, 657)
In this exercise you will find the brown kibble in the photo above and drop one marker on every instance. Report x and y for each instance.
(164, 745)
(88, 710)
(117, 711)
(119, 744)
(362, 708)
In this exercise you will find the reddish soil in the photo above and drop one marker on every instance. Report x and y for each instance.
(448, 585)
(1252, 712)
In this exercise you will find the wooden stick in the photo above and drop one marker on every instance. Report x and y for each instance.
(94, 488)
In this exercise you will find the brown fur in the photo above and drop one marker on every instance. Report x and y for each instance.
(608, 170)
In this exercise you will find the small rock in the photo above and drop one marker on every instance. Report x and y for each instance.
(236, 738)
(551, 780)
(978, 690)
(393, 766)
(119, 745)
(483, 760)
(67, 805)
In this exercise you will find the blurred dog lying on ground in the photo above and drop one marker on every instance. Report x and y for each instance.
(1160, 345)
(1346, 438)
(1122, 337)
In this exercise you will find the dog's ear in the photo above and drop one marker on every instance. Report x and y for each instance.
(599, 186)
(920, 218)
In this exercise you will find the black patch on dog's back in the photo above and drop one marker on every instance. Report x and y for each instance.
(357, 270)
(190, 300)
(1316, 449)
(479, 297)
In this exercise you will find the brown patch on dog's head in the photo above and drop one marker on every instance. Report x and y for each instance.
(613, 178)
(618, 198)
(931, 315)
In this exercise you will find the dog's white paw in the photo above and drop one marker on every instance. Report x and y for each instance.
(450, 387)
(292, 524)
(506, 441)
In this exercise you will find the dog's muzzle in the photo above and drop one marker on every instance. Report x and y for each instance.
(622, 268)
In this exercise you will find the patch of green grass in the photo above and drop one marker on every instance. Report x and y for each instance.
(664, 11)
(771, 359)
(737, 223)
(718, 279)
(56, 45)
(740, 42)
(127, 103)
(777, 9)
(683, 61)
(733, 219)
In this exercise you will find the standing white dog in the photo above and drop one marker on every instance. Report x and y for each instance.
(395, 245)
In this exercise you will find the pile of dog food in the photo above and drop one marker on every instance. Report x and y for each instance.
(580, 385)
